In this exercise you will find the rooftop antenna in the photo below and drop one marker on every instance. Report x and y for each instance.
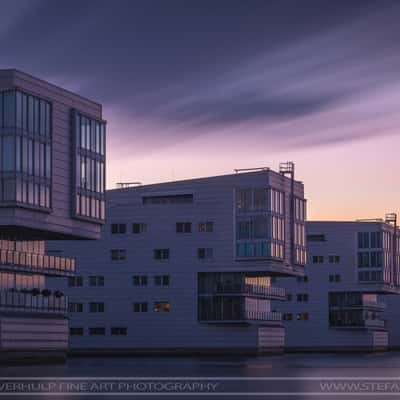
(287, 168)
(124, 185)
(391, 218)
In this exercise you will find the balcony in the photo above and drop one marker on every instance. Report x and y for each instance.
(364, 304)
(243, 317)
(250, 290)
(38, 263)
(365, 324)
(25, 302)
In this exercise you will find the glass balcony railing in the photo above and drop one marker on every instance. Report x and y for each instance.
(270, 292)
(240, 317)
(29, 303)
(359, 304)
(51, 265)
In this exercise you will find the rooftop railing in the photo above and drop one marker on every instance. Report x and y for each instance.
(41, 263)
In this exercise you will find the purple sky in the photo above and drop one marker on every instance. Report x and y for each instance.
(198, 88)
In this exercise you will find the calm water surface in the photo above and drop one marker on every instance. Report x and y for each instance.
(299, 366)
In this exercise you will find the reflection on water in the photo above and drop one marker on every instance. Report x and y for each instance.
(379, 365)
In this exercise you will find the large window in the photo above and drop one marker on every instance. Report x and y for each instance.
(260, 223)
(89, 135)
(25, 150)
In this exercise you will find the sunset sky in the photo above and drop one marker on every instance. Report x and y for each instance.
(197, 88)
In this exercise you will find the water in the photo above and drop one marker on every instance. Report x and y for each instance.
(299, 376)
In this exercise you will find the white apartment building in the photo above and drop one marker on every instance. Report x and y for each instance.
(339, 303)
(186, 266)
(52, 181)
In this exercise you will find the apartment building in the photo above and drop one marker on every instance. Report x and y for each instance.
(339, 304)
(52, 157)
(186, 266)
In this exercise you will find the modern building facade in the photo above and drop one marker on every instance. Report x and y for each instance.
(52, 162)
(186, 266)
(339, 304)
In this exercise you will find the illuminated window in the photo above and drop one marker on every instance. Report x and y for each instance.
(162, 306)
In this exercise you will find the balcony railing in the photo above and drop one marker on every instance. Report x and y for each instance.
(270, 292)
(262, 315)
(267, 291)
(246, 316)
(51, 265)
(29, 303)
(359, 304)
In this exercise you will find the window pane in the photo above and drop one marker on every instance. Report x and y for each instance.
(9, 109)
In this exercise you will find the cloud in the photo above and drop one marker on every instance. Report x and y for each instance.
(175, 72)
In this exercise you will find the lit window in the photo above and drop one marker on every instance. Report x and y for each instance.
(162, 306)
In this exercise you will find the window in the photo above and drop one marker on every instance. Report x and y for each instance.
(162, 306)
(183, 227)
(75, 281)
(287, 317)
(302, 316)
(119, 331)
(97, 331)
(206, 226)
(161, 254)
(168, 199)
(363, 240)
(118, 254)
(334, 278)
(289, 297)
(318, 259)
(334, 259)
(205, 253)
(161, 280)
(139, 280)
(139, 227)
(96, 307)
(75, 307)
(118, 228)
(302, 297)
(140, 307)
(376, 240)
(302, 278)
(96, 280)
(89, 167)
(25, 150)
(75, 331)
(316, 238)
